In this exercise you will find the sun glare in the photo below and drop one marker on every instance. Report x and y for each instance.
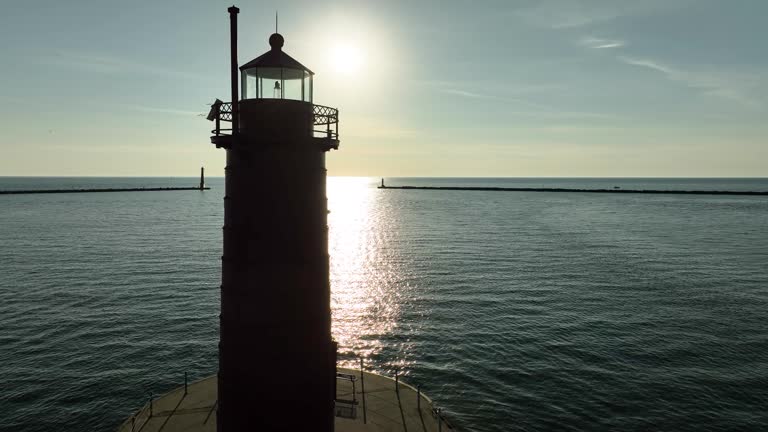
(347, 59)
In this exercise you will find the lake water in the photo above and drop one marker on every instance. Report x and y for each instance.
(512, 310)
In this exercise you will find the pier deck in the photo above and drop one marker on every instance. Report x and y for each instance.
(389, 407)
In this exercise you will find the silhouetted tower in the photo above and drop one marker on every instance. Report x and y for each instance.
(277, 359)
(202, 178)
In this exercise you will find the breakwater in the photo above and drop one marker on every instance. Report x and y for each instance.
(50, 191)
(625, 191)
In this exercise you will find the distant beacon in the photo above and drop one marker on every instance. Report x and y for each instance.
(276, 353)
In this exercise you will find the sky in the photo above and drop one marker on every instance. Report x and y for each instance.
(515, 88)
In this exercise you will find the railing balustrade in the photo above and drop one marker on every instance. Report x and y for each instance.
(322, 116)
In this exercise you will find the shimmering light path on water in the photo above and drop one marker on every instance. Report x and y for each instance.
(519, 311)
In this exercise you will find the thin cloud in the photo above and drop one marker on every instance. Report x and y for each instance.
(566, 14)
(482, 96)
(579, 19)
(376, 128)
(650, 64)
(100, 105)
(148, 109)
(598, 43)
(460, 89)
(533, 110)
(575, 115)
(730, 86)
(109, 64)
(505, 88)
(468, 94)
(571, 14)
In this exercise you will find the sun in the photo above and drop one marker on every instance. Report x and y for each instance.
(347, 59)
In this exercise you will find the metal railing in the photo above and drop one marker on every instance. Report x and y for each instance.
(348, 408)
(221, 111)
(328, 117)
(325, 117)
(436, 412)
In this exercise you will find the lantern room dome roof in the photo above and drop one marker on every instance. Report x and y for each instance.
(275, 57)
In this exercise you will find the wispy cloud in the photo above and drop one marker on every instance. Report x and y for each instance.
(109, 107)
(484, 96)
(148, 109)
(566, 14)
(376, 128)
(599, 43)
(517, 106)
(468, 94)
(569, 14)
(650, 64)
(99, 63)
(572, 115)
(506, 88)
(506, 94)
(725, 85)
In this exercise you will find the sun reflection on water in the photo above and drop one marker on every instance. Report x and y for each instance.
(364, 287)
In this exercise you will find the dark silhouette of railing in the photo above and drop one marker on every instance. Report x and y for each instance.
(147, 412)
(328, 117)
(324, 116)
(221, 111)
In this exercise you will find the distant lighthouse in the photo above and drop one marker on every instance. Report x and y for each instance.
(276, 352)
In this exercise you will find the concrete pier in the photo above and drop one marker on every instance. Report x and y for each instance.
(389, 406)
(615, 191)
(56, 191)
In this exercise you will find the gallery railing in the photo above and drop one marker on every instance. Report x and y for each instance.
(325, 117)
(328, 117)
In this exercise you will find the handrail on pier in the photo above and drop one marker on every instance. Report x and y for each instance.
(159, 406)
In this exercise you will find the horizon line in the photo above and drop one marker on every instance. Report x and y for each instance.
(386, 177)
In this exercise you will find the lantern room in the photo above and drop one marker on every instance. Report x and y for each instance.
(276, 75)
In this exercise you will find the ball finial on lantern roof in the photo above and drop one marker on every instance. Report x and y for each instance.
(276, 41)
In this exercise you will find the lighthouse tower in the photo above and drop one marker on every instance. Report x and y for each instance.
(276, 355)
(277, 359)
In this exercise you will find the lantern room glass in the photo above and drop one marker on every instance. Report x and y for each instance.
(276, 83)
